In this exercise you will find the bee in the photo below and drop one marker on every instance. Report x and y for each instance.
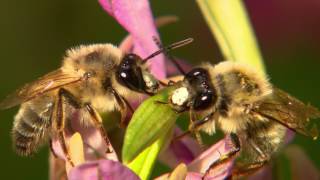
(93, 78)
(241, 102)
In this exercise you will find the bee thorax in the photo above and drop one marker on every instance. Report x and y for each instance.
(180, 96)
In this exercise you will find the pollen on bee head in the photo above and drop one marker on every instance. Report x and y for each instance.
(180, 96)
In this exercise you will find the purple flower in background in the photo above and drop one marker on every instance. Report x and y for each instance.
(102, 170)
(136, 17)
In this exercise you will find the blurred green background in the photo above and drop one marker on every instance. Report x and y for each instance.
(35, 34)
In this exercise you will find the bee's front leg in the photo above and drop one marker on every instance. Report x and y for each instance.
(192, 128)
(124, 105)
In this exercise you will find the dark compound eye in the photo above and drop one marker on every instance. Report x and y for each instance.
(129, 61)
(203, 100)
(200, 82)
(198, 77)
(129, 73)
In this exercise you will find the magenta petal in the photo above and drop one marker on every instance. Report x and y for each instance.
(102, 170)
(136, 17)
(127, 44)
(180, 151)
(194, 176)
(204, 160)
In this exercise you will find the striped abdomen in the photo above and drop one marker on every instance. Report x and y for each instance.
(30, 129)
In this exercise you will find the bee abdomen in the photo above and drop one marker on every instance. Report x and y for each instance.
(28, 131)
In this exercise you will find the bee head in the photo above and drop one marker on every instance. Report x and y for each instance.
(133, 74)
(195, 92)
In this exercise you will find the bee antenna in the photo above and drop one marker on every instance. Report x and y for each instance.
(169, 48)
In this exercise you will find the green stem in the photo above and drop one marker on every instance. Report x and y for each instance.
(230, 25)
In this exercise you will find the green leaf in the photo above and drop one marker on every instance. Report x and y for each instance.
(149, 122)
(144, 162)
(231, 27)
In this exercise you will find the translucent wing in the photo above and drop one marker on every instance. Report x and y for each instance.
(50, 81)
(290, 112)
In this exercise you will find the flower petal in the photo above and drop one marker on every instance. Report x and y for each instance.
(102, 169)
(136, 18)
(127, 43)
(182, 150)
(208, 157)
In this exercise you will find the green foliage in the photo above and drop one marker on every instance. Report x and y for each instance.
(228, 21)
(147, 132)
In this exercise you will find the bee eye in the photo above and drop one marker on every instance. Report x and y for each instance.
(130, 73)
(203, 100)
(196, 73)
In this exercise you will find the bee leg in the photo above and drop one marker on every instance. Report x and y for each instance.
(169, 83)
(98, 123)
(123, 107)
(192, 129)
(228, 156)
(128, 105)
(164, 84)
(194, 125)
(60, 124)
(51, 149)
(247, 169)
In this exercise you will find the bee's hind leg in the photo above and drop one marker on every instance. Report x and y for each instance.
(227, 156)
(97, 121)
(246, 169)
(60, 124)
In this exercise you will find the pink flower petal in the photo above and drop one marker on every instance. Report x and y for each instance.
(136, 18)
(208, 157)
(102, 170)
(194, 176)
(183, 150)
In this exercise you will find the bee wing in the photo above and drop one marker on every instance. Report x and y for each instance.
(49, 82)
(290, 112)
